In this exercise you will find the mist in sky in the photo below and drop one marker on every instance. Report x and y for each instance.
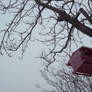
(21, 75)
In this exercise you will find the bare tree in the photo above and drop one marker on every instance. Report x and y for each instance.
(63, 23)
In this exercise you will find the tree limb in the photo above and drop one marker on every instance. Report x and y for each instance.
(81, 27)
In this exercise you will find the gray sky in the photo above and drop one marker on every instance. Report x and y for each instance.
(21, 75)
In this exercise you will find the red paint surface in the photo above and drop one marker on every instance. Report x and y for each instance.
(81, 61)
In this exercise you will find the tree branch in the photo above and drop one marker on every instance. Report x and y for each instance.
(66, 17)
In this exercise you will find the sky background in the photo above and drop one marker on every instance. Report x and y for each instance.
(21, 75)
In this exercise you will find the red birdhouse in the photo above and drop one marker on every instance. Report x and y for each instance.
(81, 61)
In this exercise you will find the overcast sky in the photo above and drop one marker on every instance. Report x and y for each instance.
(21, 75)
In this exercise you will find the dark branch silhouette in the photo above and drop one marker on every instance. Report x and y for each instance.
(63, 24)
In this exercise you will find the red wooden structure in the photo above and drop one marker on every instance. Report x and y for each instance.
(81, 61)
